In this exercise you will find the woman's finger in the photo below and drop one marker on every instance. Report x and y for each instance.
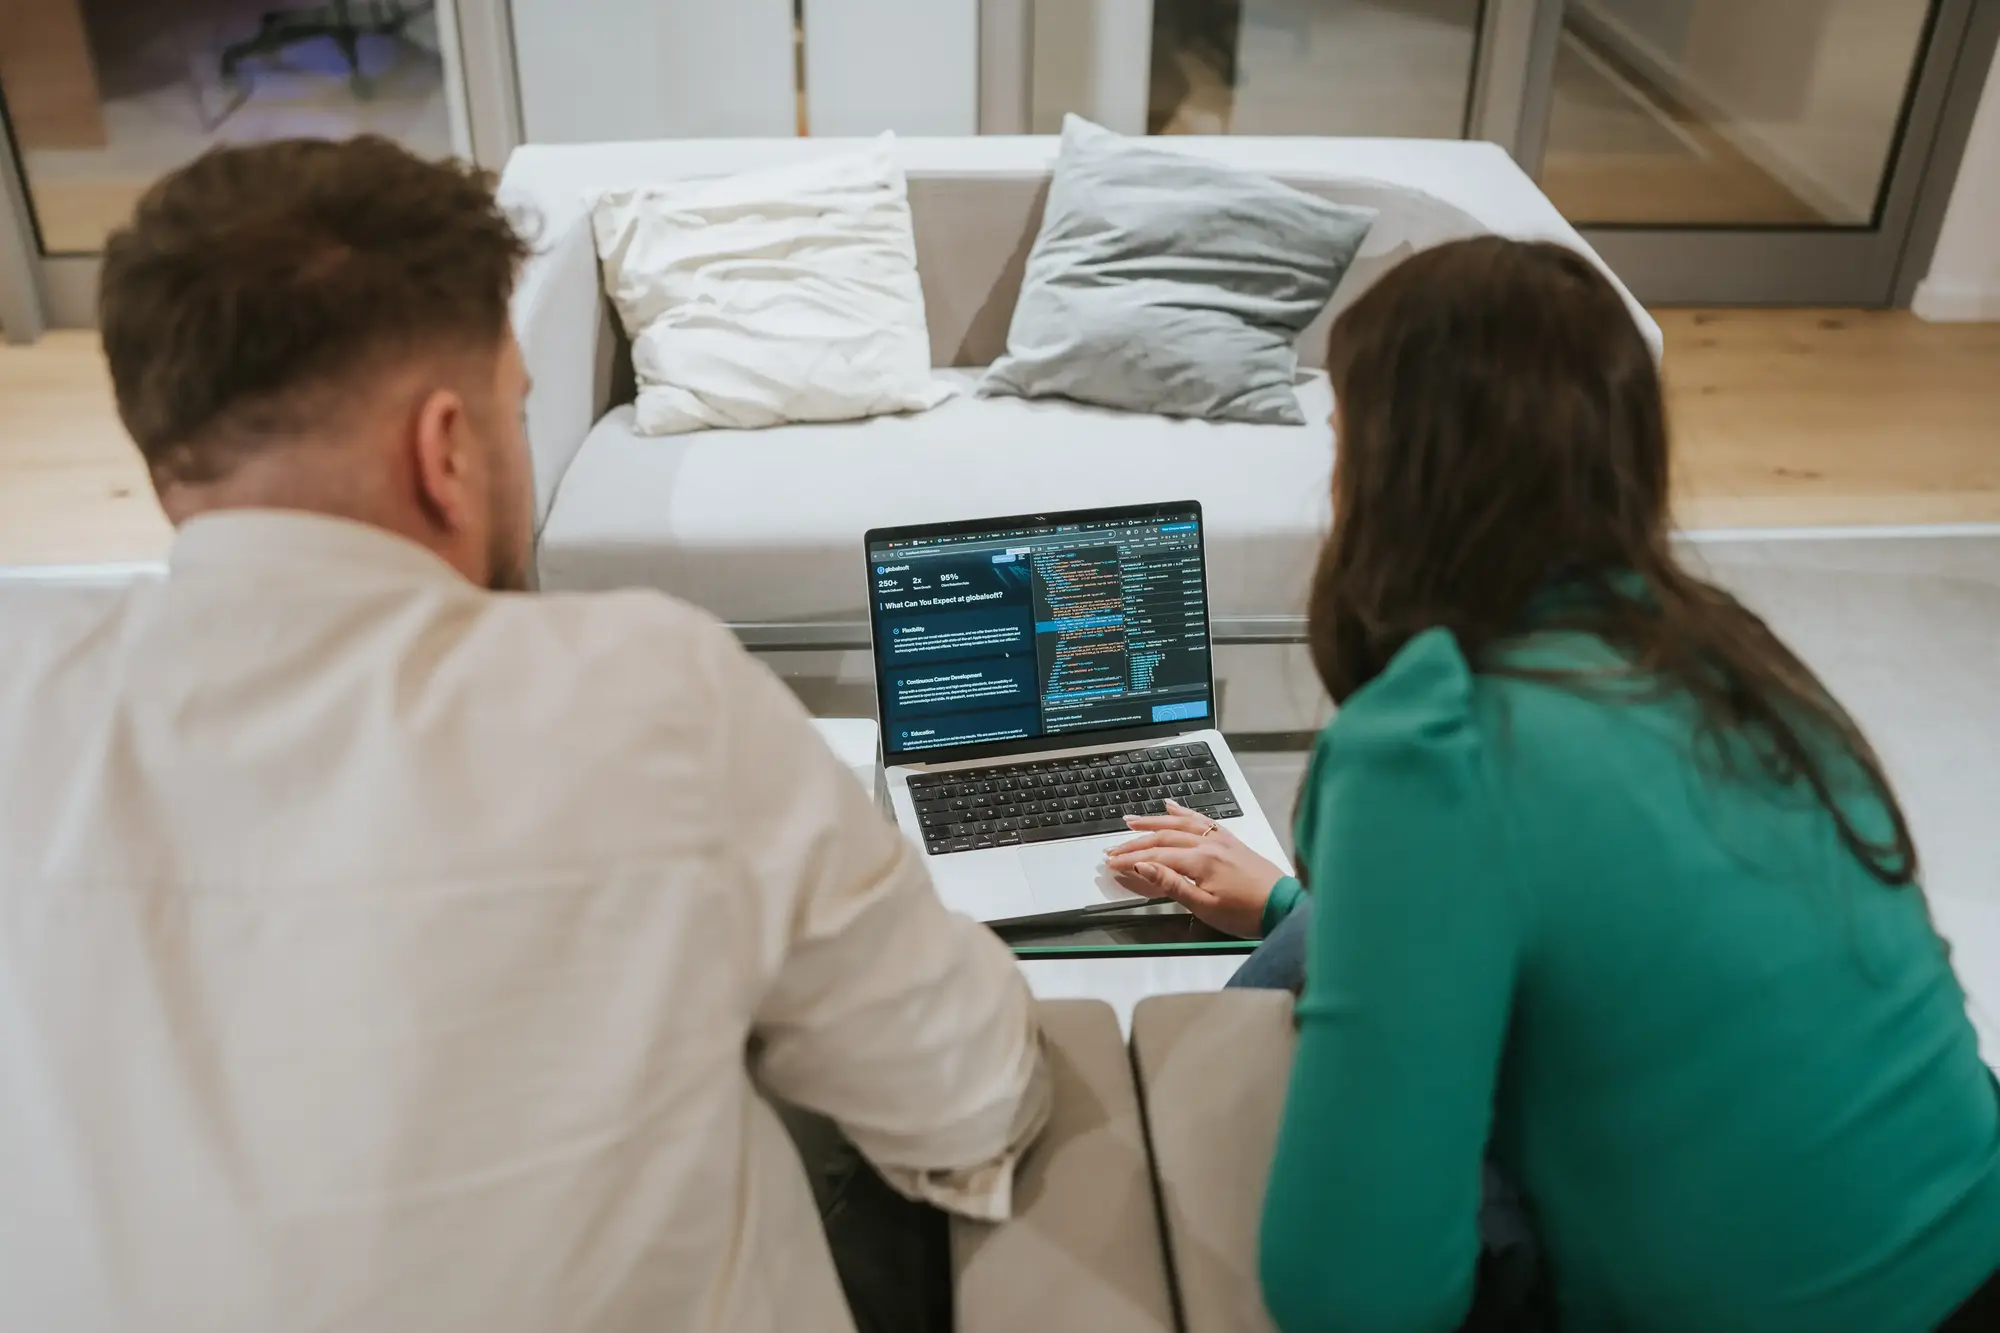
(1161, 838)
(1178, 887)
(1201, 823)
(1185, 821)
(1196, 863)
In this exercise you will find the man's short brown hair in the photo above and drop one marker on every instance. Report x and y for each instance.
(255, 282)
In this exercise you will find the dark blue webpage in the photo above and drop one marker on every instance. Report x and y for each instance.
(1031, 631)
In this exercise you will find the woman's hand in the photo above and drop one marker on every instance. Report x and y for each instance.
(1188, 857)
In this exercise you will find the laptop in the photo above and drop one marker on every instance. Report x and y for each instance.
(1037, 678)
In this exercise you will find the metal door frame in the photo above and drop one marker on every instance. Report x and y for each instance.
(1512, 90)
(1876, 265)
(1509, 104)
(476, 42)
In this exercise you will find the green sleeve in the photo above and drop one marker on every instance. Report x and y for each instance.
(1284, 897)
(1371, 1215)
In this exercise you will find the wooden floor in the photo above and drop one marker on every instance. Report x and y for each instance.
(72, 489)
(1781, 419)
(1796, 418)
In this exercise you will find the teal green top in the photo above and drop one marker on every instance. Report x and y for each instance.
(1284, 897)
(1731, 1073)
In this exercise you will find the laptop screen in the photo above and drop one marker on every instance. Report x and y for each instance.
(996, 634)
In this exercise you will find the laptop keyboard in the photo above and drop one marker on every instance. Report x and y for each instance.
(1076, 796)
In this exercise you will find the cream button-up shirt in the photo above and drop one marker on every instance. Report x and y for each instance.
(379, 953)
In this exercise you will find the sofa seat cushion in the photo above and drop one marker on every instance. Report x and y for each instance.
(763, 527)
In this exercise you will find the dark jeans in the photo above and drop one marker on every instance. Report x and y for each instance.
(893, 1256)
(1981, 1311)
(1279, 963)
(1511, 1296)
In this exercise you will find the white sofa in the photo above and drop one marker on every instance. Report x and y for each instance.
(763, 528)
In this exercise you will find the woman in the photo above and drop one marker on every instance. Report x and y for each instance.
(1603, 881)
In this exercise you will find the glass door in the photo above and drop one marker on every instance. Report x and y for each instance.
(1714, 151)
(1334, 67)
(1331, 67)
(1747, 151)
(103, 97)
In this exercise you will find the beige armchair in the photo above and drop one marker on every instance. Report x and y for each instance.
(1212, 1071)
(1083, 1248)
(1137, 1210)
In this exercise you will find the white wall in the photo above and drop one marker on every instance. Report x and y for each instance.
(1964, 281)
(655, 69)
(665, 69)
(911, 66)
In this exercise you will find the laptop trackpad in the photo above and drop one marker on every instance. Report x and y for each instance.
(1067, 876)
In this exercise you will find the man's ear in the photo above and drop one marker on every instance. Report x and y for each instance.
(441, 463)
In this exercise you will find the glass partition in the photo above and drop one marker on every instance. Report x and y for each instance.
(1336, 67)
(105, 96)
(1734, 113)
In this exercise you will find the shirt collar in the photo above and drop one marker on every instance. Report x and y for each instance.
(251, 541)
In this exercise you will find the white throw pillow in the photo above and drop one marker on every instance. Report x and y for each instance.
(787, 294)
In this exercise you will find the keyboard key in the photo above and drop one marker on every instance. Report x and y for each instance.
(1079, 829)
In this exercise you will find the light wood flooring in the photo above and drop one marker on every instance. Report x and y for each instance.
(1782, 418)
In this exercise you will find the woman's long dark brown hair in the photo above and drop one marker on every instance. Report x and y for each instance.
(1502, 434)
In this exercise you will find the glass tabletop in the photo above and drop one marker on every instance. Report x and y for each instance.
(1150, 931)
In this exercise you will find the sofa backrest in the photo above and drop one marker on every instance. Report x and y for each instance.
(977, 204)
(974, 232)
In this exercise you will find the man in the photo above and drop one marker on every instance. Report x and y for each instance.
(381, 948)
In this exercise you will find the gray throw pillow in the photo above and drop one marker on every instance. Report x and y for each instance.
(1168, 284)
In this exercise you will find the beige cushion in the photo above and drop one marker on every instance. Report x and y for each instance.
(1083, 1248)
(1212, 1074)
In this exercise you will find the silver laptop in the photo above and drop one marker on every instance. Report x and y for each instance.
(1037, 679)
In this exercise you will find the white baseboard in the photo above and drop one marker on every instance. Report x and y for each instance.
(1956, 302)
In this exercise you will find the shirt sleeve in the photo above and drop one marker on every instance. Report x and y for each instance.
(1371, 1218)
(905, 1024)
(1284, 897)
